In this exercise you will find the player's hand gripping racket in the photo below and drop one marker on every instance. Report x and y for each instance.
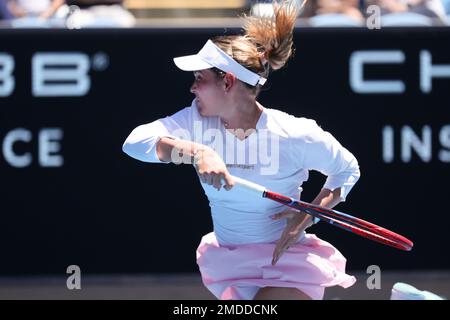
(334, 217)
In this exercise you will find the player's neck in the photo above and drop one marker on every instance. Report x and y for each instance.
(243, 116)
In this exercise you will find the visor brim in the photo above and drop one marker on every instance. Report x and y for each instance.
(191, 63)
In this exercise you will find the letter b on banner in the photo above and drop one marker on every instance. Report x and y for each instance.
(6, 78)
(60, 74)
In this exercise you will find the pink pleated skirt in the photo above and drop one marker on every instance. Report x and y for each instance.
(237, 272)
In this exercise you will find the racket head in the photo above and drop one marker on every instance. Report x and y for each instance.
(347, 222)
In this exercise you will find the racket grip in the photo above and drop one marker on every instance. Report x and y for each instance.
(249, 186)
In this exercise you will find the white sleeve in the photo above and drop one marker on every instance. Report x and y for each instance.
(320, 151)
(141, 143)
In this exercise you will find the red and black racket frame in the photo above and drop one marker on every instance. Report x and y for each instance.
(345, 221)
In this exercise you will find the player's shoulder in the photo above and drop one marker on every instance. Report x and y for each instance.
(293, 126)
(187, 113)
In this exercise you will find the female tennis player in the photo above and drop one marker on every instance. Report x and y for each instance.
(258, 249)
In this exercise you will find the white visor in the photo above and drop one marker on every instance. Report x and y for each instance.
(211, 56)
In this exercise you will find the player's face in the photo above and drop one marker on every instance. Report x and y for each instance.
(209, 93)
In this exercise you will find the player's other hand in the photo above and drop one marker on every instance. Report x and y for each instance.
(297, 222)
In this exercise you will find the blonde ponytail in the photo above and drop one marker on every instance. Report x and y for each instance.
(267, 40)
(273, 33)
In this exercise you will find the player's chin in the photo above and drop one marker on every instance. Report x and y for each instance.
(204, 112)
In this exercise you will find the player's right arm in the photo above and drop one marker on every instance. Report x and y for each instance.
(170, 140)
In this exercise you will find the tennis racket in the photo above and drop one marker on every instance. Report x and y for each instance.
(336, 218)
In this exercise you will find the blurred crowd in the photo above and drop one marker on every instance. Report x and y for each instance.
(66, 13)
(390, 12)
(115, 13)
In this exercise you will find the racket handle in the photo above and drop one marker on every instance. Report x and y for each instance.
(249, 186)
